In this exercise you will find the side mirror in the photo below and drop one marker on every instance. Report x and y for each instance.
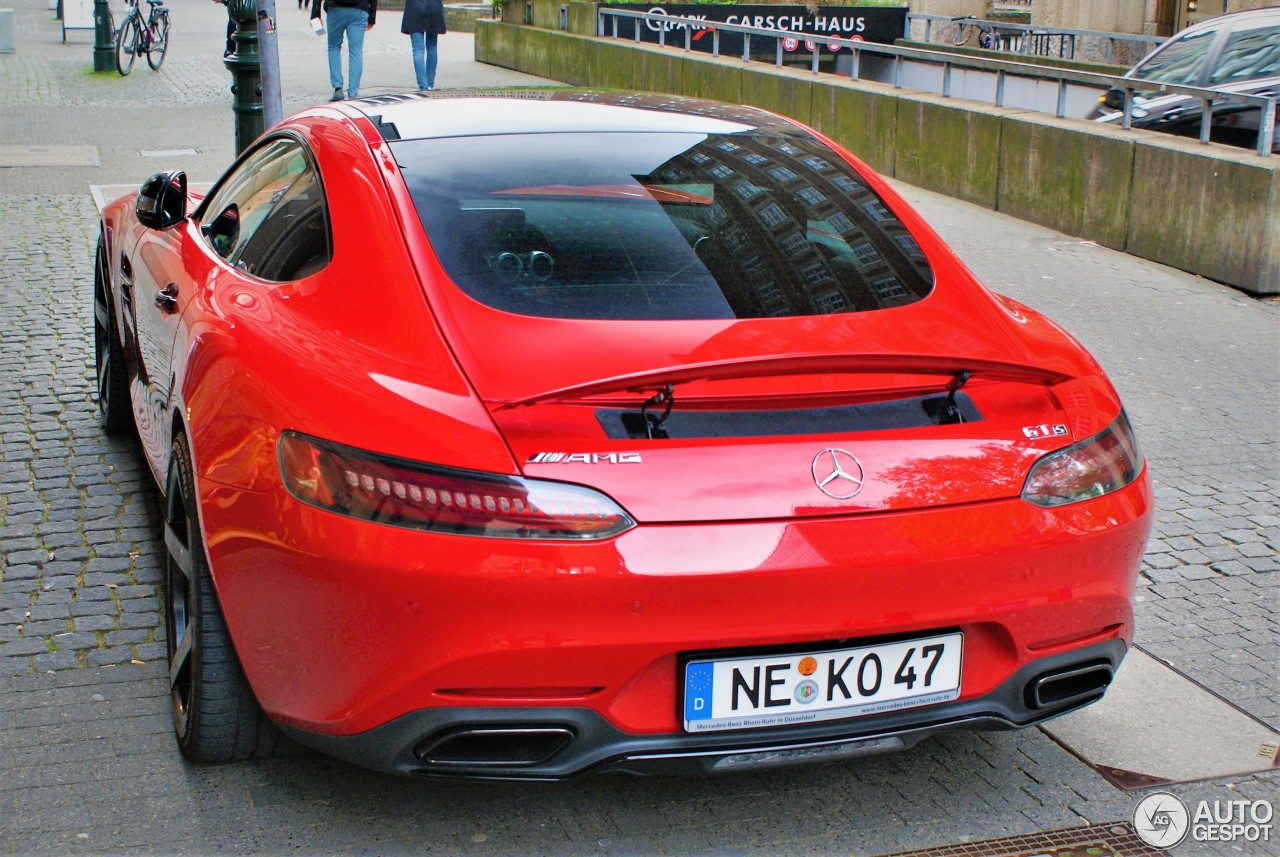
(1114, 99)
(162, 200)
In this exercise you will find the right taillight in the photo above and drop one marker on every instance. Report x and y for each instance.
(1098, 465)
(422, 496)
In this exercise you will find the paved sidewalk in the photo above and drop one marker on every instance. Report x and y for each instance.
(87, 761)
(49, 93)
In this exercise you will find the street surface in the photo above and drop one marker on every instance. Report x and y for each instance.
(87, 759)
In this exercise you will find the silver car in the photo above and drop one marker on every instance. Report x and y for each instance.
(1233, 53)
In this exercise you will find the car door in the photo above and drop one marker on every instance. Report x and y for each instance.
(265, 219)
(155, 294)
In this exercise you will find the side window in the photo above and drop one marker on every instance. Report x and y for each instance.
(1252, 52)
(1180, 61)
(269, 217)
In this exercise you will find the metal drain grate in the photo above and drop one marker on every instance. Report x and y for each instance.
(1099, 840)
(1150, 730)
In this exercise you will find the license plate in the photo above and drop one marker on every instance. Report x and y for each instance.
(806, 687)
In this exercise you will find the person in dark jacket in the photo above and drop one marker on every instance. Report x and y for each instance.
(423, 22)
(350, 18)
(231, 31)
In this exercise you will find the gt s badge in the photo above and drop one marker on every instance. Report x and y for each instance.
(1037, 432)
(584, 458)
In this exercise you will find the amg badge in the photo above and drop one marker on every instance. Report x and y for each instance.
(584, 458)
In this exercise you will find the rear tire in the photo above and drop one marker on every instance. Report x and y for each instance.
(127, 45)
(215, 715)
(159, 43)
(112, 380)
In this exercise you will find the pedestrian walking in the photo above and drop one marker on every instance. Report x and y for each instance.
(423, 22)
(349, 19)
(231, 31)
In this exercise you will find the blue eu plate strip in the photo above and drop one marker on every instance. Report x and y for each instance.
(697, 691)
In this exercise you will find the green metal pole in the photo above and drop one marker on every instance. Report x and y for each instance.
(104, 37)
(246, 73)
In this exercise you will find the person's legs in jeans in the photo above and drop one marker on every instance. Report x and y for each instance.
(355, 50)
(432, 57)
(339, 19)
(416, 42)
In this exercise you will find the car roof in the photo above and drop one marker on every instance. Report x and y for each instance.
(1230, 19)
(462, 113)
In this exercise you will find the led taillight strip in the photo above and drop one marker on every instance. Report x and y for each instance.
(400, 492)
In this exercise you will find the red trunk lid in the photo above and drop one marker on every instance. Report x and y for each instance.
(770, 421)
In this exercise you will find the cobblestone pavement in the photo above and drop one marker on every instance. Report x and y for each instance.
(87, 761)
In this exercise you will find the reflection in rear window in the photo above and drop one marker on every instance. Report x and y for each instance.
(1179, 61)
(659, 226)
(1252, 52)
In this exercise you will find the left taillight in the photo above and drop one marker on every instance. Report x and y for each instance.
(1098, 465)
(403, 493)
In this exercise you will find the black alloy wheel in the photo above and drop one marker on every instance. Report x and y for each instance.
(215, 715)
(112, 380)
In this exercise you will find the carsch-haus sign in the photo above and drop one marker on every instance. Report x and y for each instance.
(869, 24)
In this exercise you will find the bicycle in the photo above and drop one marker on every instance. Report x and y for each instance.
(966, 23)
(135, 38)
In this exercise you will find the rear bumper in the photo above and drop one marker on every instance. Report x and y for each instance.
(556, 743)
(371, 635)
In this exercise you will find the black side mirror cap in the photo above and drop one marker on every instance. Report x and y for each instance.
(162, 200)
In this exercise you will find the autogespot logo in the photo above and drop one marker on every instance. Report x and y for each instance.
(1161, 820)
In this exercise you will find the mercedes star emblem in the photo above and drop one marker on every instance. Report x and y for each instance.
(837, 473)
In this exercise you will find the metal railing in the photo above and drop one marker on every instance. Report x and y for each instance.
(1029, 32)
(607, 23)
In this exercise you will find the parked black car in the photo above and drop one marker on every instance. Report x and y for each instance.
(1233, 53)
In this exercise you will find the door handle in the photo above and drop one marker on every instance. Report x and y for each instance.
(168, 298)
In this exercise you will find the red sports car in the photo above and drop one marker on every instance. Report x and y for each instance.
(526, 434)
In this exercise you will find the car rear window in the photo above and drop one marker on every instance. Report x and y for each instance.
(660, 226)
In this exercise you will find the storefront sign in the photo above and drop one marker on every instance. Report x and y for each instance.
(869, 24)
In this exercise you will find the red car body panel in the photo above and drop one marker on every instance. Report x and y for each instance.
(342, 625)
(342, 643)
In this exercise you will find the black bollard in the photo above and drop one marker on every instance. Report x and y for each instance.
(104, 37)
(246, 73)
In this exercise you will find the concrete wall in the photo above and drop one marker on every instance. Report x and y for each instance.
(1111, 16)
(1185, 186)
(950, 8)
(1214, 211)
(462, 19)
(1149, 17)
